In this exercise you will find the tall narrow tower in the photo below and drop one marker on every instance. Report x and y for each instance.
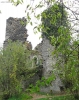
(16, 30)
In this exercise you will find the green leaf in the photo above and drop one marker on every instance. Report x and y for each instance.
(28, 6)
(31, 23)
(38, 16)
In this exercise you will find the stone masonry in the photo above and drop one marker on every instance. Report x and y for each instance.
(16, 30)
(45, 49)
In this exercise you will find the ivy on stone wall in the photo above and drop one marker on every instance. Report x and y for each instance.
(54, 19)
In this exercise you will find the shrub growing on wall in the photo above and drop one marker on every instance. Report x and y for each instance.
(53, 19)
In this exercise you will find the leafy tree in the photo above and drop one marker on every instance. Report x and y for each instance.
(71, 69)
(14, 60)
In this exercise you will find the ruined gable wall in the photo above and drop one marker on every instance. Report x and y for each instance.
(45, 49)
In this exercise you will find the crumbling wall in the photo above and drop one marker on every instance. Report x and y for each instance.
(49, 61)
(16, 30)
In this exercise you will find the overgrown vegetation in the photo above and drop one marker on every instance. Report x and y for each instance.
(23, 96)
(54, 19)
(56, 29)
(14, 59)
(58, 98)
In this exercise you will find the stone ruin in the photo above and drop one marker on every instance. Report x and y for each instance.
(49, 61)
(16, 30)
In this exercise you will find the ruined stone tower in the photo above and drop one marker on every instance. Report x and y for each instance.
(16, 30)
(49, 61)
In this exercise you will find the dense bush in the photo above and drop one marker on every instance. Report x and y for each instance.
(14, 59)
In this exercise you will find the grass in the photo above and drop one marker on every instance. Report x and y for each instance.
(58, 98)
(22, 97)
(25, 96)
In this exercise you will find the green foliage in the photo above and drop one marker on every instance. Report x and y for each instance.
(17, 2)
(47, 82)
(14, 59)
(53, 19)
(71, 67)
(68, 65)
(41, 83)
(23, 96)
(58, 98)
(56, 29)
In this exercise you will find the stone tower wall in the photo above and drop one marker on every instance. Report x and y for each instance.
(16, 30)
(45, 49)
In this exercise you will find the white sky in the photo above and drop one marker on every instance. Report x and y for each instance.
(8, 10)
